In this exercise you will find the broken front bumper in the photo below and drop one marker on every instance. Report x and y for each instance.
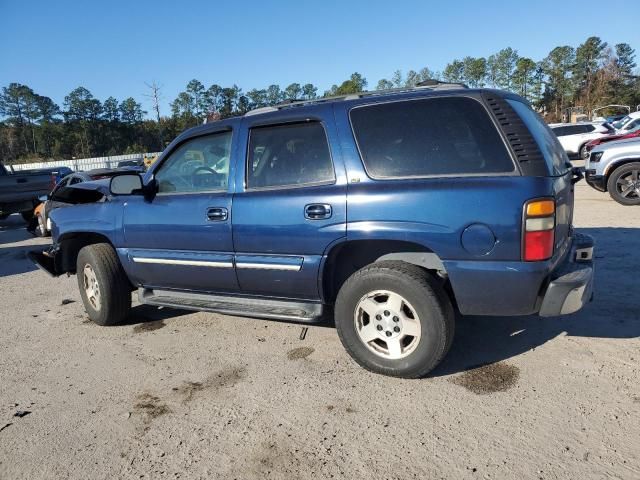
(46, 260)
(571, 287)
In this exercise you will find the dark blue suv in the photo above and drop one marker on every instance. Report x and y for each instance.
(386, 211)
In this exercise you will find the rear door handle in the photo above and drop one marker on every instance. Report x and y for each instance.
(317, 211)
(217, 214)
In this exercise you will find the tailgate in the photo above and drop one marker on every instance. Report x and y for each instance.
(17, 187)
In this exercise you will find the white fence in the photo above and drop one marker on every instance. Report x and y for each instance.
(85, 163)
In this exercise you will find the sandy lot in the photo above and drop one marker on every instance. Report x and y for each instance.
(184, 395)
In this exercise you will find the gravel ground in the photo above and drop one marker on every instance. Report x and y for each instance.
(198, 395)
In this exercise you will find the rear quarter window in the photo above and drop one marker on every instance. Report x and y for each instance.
(553, 153)
(450, 136)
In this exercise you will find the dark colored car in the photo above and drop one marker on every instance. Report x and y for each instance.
(20, 191)
(386, 211)
(40, 224)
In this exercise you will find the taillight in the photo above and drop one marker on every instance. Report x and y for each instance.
(539, 225)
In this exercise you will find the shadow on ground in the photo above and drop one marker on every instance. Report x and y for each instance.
(612, 314)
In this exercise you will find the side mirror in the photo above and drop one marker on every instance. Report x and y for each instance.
(126, 184)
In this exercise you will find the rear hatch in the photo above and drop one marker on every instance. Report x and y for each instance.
(530, 130)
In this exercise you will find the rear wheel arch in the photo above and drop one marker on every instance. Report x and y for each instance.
(346, 258)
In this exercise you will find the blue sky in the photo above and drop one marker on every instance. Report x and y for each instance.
(113, 47)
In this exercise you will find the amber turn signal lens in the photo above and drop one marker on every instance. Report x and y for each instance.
(540, 208)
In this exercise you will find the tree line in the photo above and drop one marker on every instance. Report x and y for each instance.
(34, 127)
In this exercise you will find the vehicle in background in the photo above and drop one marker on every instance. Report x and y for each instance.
(135, 165)
(615, 168)
(40, 223)
(20, 190)
(383, 210)
(610, 138)
(623, 123)
(615, 118)
(575, 136)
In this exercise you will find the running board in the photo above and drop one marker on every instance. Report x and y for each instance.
(297, 311)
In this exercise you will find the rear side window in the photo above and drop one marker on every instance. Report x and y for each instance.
(548, 143)
(289, 155)
(430, 137)
(589, 128)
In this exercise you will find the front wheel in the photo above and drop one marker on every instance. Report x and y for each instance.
(104, 287)
(41, 228)
(394, 318)
(624, 184)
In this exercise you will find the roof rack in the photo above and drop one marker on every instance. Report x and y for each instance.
(429, 84)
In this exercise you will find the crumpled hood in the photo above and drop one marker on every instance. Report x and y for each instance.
(85, 192)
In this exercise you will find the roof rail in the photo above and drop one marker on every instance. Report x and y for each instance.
(428, 84)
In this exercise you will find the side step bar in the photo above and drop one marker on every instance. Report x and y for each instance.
(296, 311)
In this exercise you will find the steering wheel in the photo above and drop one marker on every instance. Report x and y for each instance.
(206, 169)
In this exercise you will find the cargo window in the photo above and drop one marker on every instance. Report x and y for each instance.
(198, 165)
(548, 143)
(289, 155)
(429, 137)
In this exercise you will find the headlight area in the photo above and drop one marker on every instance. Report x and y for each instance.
(595, 157)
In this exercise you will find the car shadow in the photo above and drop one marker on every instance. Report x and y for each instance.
(613, 313)
(149, 317)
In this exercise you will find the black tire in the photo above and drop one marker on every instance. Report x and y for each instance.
(425, 295)
(584, 154)
(27, 216)
(618, 183)
(113, 285)
(4, 216)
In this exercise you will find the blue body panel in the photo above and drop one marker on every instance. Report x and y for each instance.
(267, 247)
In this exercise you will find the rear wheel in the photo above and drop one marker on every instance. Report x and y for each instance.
(394, 318)
(624, 184)
(104, 287)
(41, 228)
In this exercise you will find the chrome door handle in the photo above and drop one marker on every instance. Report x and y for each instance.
(217, 214)
(317, 211)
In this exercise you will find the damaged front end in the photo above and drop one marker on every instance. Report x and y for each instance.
(46, 260)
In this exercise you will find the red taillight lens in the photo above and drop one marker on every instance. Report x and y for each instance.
(538, 245)
(539, 226)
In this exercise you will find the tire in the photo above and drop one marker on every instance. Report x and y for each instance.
(584, 154)
(4, 216)
(624, 184)
(423, 326)
(27, 216)
(41, 228)
(104, 287)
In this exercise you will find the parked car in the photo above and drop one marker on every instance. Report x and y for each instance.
(629, 123)
(386, 211)
(610, 138)
(575, 136)
(19, 191)
(136, 165)
(615, 168)
(40, 223)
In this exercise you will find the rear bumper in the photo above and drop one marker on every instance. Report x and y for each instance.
(571, 287)
(510, 288)
(599, 182)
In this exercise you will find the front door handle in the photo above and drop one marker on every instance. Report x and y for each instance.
(317, 211)
(217, 214)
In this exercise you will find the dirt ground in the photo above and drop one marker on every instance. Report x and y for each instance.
(197, 395)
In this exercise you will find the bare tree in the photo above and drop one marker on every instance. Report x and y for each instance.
(155, 97)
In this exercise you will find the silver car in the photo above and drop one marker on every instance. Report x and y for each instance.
(615, 168)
